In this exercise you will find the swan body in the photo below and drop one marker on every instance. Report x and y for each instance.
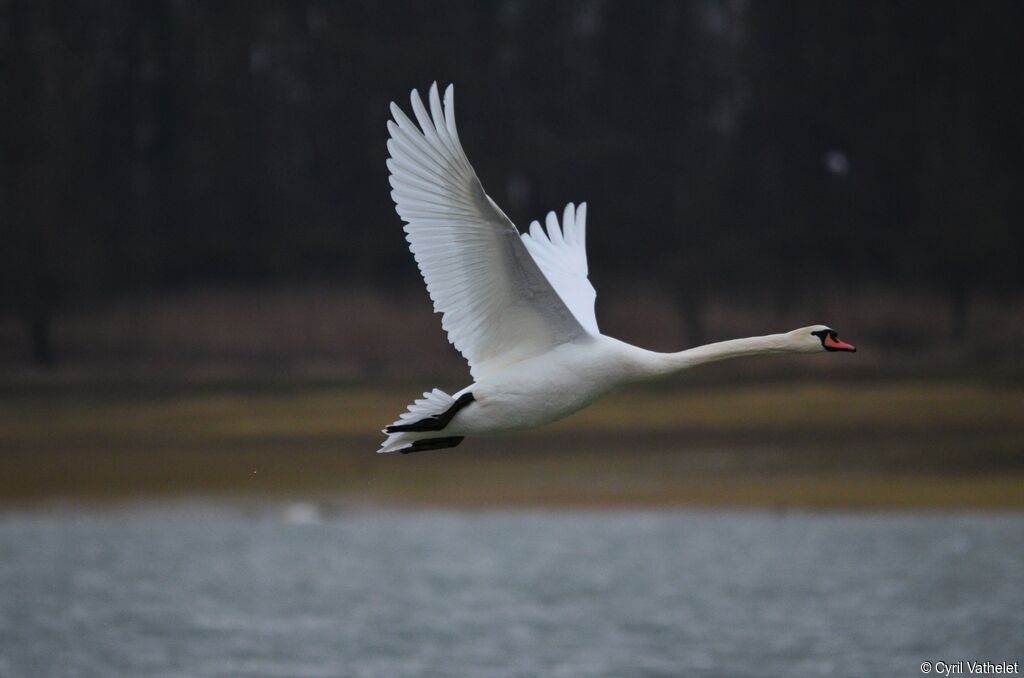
(518, 306)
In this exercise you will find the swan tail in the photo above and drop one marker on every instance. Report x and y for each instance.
(420, 427)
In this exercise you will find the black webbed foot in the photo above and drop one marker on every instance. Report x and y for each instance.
(432, 444)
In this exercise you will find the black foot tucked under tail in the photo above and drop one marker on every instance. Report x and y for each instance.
(436, 422)
(432, 444)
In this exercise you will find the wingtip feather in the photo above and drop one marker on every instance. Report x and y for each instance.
(554, 231)
(569, 223)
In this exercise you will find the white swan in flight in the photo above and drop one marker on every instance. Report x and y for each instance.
(519, 307)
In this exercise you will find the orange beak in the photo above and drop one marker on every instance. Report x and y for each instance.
(837, 345)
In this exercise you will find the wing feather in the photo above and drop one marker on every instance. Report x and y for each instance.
(562, 256)
(497, 306)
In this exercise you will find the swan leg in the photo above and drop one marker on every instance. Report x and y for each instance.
(436, 422)
(432, 444)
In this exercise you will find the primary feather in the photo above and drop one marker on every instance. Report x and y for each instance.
(561, 254)
(498, 307)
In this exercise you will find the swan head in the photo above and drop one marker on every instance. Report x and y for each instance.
(817, 338)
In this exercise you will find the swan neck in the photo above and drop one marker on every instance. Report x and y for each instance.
(723, 350)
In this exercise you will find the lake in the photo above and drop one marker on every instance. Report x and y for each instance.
(191, 589)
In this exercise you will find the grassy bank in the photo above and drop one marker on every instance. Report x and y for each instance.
(922, 444)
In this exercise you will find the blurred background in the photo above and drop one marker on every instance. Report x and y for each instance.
(201, 257)
(208, 311)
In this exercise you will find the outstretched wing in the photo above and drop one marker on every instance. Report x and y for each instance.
(496, 304)
(561, 254)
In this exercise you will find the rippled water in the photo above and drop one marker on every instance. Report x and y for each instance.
(199, 591)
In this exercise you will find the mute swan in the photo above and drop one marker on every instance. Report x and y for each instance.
(519, 307)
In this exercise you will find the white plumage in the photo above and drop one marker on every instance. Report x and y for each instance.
(519, 307)
(561, 253)
(496, 305)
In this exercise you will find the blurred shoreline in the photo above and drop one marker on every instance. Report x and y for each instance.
(933, 444)
(250, 393)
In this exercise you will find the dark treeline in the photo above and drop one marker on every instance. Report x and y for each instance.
(729, 147)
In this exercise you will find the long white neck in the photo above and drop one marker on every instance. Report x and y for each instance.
(659, 364)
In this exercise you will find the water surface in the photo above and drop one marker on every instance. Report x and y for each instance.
(194, 590)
